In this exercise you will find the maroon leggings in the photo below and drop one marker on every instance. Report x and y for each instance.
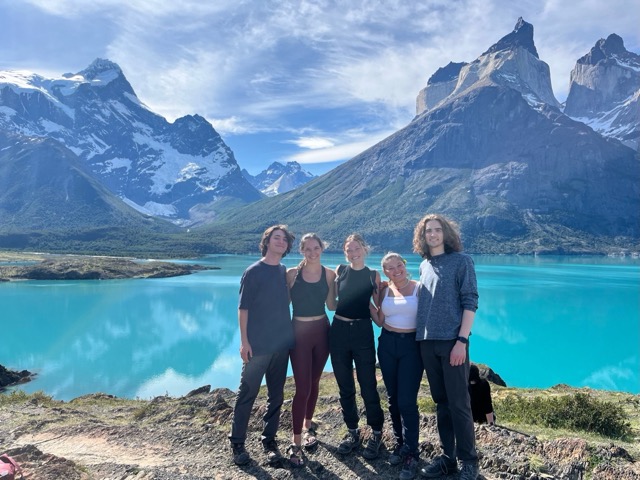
(308, 359)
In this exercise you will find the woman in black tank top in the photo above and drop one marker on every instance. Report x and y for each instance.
(311, 288)
(351, 342)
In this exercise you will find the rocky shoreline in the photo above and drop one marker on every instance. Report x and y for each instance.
(78, 267)
(103, 437)
(11, 377)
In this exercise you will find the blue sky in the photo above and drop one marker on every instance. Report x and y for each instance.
(316, 81)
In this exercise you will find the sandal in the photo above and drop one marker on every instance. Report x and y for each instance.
(309, 439)
(296, 460)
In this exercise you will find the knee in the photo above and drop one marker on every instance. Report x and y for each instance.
(303, 390)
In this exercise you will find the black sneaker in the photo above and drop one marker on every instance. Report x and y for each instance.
(409, 467)
(469, 471)
(439, 467)
(350, 443)
(396, 457)
(373, 446)
(271, 449)
(240, 455)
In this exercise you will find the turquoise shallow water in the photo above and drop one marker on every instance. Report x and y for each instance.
(542, 321)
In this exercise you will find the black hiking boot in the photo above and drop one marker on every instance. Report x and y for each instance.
(350, 443)
(274, 457)
(239, 454)
(372, 449)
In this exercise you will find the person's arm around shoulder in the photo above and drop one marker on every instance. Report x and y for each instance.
(383, 292)
(292, 274)
(245, 347)
(374, 308)
(331, 296)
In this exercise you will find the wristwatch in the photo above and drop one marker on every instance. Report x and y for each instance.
(464, 340)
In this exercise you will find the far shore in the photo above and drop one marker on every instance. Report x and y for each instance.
(45, 266)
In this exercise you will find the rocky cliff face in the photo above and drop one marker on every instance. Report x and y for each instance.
(512, 62)
(177, 171)
(605, 91)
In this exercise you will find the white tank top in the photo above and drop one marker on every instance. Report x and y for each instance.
(400, 312)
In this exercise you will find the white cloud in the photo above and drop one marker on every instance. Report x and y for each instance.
(610, 377)
(272, 66)
(337, 152)
(232, 126)
(312, 143)
(231, 57)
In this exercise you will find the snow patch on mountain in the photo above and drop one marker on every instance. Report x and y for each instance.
(157, 166)
(605, 91)
(279, 178)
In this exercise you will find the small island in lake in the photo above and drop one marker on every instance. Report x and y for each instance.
(79, 267)
(12, 377)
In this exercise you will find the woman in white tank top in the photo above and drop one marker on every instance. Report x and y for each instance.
(400, 360)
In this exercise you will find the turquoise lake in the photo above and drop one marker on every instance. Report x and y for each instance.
(542, 321)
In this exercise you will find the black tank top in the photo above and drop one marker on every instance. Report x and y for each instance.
(308, 299)
(354, 293)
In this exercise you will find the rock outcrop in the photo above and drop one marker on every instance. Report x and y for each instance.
(605, 91)
(512, 62)
(11, 377)
(100, 436)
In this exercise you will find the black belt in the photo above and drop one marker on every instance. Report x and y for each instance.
(399, 334)
(351, 320)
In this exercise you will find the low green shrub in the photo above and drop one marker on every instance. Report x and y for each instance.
(20, 396)
(578, 412)
(426, 405)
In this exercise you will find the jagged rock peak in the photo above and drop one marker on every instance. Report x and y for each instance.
(447, 73)
(613, 45)
(293, 165)
(193, 122)
(100, 66)
(522, 36)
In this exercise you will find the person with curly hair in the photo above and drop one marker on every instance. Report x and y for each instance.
(447, 303)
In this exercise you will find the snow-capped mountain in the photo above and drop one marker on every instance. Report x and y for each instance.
(279, 178)
(178, 171)
(512, 62)
(605, 91)
(44, 187)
